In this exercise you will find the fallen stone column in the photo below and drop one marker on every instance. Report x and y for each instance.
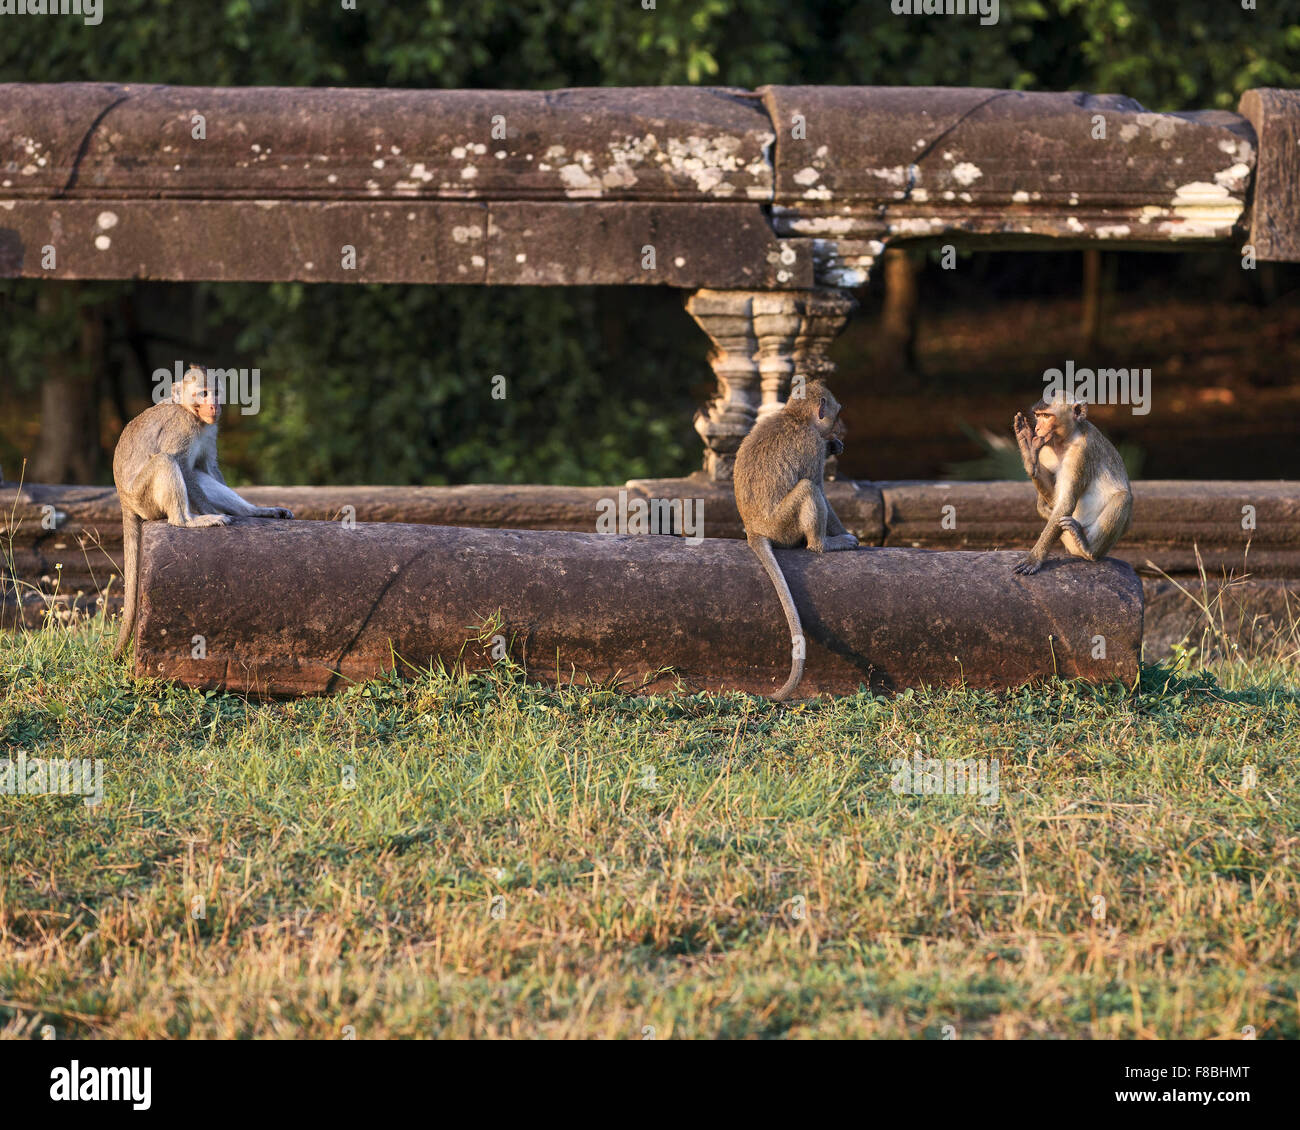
(283, 608)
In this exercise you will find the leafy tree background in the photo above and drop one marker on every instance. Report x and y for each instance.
(601, 380)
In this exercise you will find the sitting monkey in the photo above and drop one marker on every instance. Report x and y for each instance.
(778, 480)
(165, 466)
(1083, 489)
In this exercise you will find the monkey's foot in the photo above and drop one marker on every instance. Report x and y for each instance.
(841, 541)
(201, 520)
(272, 512)
(1028, 566)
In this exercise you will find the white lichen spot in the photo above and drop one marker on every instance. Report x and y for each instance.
(332, 178)
(500, 154)
(477, 260)
(825, 225)
(309, 266)
(916, 225)
(620, 176)
(377, 163)
(783, 276)
(1128, 131)
(895, 175)
(1020, 196)
(103, 242)
(1234, 176)
(679, 261)
(1112, 231)
(458, 153)
(1074, 225)
(521, 258)
(469, 172)
(920, 195)
(966, 173)
(8, 205)
(106, 220)
(578, 181)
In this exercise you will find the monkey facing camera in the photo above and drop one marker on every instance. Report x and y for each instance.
(780, 493)
(165, 466)
(1083, 488)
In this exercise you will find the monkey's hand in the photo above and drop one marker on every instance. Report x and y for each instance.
(270, 512)
(1069, 525)
(834, 446)
(1020, 425)
(841, 541)
(1028, 565)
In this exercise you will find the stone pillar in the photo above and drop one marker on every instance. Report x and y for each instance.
(761, 340)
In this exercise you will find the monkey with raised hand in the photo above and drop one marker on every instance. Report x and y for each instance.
(165, 466)
(778, 480)
(1083, 489)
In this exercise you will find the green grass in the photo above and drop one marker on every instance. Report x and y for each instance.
(521, 861)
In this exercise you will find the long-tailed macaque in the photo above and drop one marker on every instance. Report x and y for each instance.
(1083, 489)
(782, 501)
(165, 466)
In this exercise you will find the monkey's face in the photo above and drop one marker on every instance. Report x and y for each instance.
(202, 395)
(1047, 428)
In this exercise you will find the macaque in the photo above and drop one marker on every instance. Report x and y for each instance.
(779, 493)
(165, 466)
(1083, 489)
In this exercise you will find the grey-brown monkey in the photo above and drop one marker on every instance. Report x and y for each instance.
(781, 498)
(1083, 489)
(165, 466)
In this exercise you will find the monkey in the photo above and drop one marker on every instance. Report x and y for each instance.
(1083, 489)
(165, 466)
(778, 481)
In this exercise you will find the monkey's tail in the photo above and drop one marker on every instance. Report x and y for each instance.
(131, 526)
(762, 548)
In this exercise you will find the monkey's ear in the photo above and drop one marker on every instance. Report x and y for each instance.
(1080, 411)
(821, 409)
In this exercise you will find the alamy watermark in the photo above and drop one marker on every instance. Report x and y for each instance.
(53, 776)
(91, 11)
(1099, 386)
(987, 10)
(932, 776)
(242, 387)
(651, 516)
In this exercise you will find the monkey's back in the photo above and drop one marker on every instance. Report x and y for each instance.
(167, 428)
(776, 454)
